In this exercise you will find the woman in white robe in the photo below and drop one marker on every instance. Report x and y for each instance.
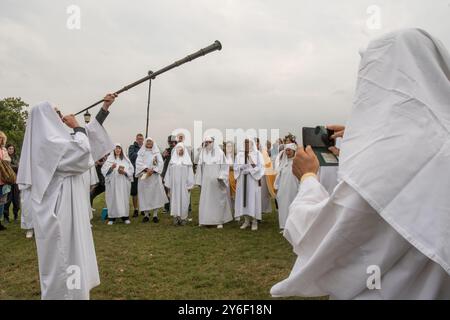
(254, 170)
(179, 180)
(151, 193)
(212, 176)
(383, 232)
(118, 172)
(50, 179)
(286, 184)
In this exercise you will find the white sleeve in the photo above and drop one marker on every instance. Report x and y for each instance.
(99, 140)
(307, 205)
(130, 171)
(76, 158)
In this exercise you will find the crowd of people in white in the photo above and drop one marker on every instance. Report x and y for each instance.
(385, 205)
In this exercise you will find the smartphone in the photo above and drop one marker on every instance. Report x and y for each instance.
(319, 138)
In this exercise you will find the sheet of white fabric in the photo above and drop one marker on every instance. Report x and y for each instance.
(286, 185)
(338, 238)
(118, 186)
(87, 182)
(26, 218)
(396, 148)
(328, 177)
(101, 143)
(59, 205)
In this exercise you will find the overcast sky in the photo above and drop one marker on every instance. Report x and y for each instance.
(284, 64)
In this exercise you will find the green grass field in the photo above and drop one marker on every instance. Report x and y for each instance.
(162, 261)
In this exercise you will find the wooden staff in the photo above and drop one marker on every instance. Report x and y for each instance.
(215, 46)
(245, 180)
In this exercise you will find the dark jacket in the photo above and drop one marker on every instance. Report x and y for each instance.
(133, 153)
(166, 161)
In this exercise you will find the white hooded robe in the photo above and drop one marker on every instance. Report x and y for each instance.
(254, 175)
(117, 186)
(179, 180)
(50, 179)
(390, 212)
(212, 176)
(151, 193)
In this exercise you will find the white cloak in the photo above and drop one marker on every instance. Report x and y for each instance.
(151, 193)
(214, 206)
(286, 185)
(50, 178)
(254, 175)
(339, 238)
(117, 187)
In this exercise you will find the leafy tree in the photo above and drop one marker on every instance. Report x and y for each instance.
(13, 117)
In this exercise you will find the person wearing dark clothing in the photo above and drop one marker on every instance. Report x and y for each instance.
(100, 187)
(132, 155)
(14, 195)
(167, 154)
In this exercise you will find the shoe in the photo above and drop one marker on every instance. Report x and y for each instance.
(220, 226)
(136, 214)
(29, 234)
(176, 221)
(254, 225)
(110, 223)
(155, 219)
(145, 220)
(190, 219)
(245, 225)
(183, 222)
(2, 227)
(127, 221)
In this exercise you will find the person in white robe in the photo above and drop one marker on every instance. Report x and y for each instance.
(50, 179)
(253, 169)
(151, 193)
(212, 177)
(118, 172)
(286, 184)
(179, 180)
(383, 232)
